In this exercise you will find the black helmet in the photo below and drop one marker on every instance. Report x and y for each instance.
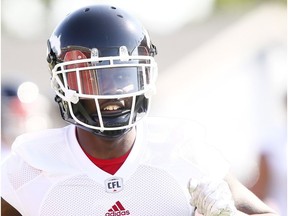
(103, 70)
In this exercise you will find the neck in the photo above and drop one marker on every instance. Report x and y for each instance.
(105, 148)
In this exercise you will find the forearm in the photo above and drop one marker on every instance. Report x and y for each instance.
(239, 213)
(215, 197)
(244, 211)
(246, 202)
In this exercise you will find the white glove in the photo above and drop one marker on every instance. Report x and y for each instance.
(212, 197)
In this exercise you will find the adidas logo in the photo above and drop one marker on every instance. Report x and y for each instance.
(117, 210)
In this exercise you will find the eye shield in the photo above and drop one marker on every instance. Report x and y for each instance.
(107, 77)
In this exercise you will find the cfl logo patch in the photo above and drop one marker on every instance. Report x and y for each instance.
(114, 184)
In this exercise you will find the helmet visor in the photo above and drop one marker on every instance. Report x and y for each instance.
(106, 81)
(103, 78)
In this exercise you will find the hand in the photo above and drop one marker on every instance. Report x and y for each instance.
(212, 197)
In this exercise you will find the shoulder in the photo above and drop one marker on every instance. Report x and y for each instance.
(185, 140)
(177, 130)
(43, 149)
(40, 138)
(43, 135)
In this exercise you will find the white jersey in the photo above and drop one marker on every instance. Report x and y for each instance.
(48, 174)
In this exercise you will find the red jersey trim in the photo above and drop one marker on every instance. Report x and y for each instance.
(110, 166)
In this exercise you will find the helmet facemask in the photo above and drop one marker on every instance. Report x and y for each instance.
(105, 95)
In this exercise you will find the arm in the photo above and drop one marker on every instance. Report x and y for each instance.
(228, 197)
(260, 187)
(7, 209)
(245, 201)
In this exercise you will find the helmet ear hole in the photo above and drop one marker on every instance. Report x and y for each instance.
(153, 50)
(63, 106)
(141, 105)
(51, 56)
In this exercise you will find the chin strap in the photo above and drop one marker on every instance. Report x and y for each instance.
(114, 134)
(79, 110)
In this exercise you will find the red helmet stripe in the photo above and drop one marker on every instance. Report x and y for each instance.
(88, 77)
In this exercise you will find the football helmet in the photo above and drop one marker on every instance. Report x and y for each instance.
(102, 69)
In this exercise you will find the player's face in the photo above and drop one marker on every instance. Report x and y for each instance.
(108, 89)
(110, 81)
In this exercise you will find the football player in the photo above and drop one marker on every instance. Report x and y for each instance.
(111, 159)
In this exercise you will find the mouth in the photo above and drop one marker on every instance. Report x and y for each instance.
(113, 107)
